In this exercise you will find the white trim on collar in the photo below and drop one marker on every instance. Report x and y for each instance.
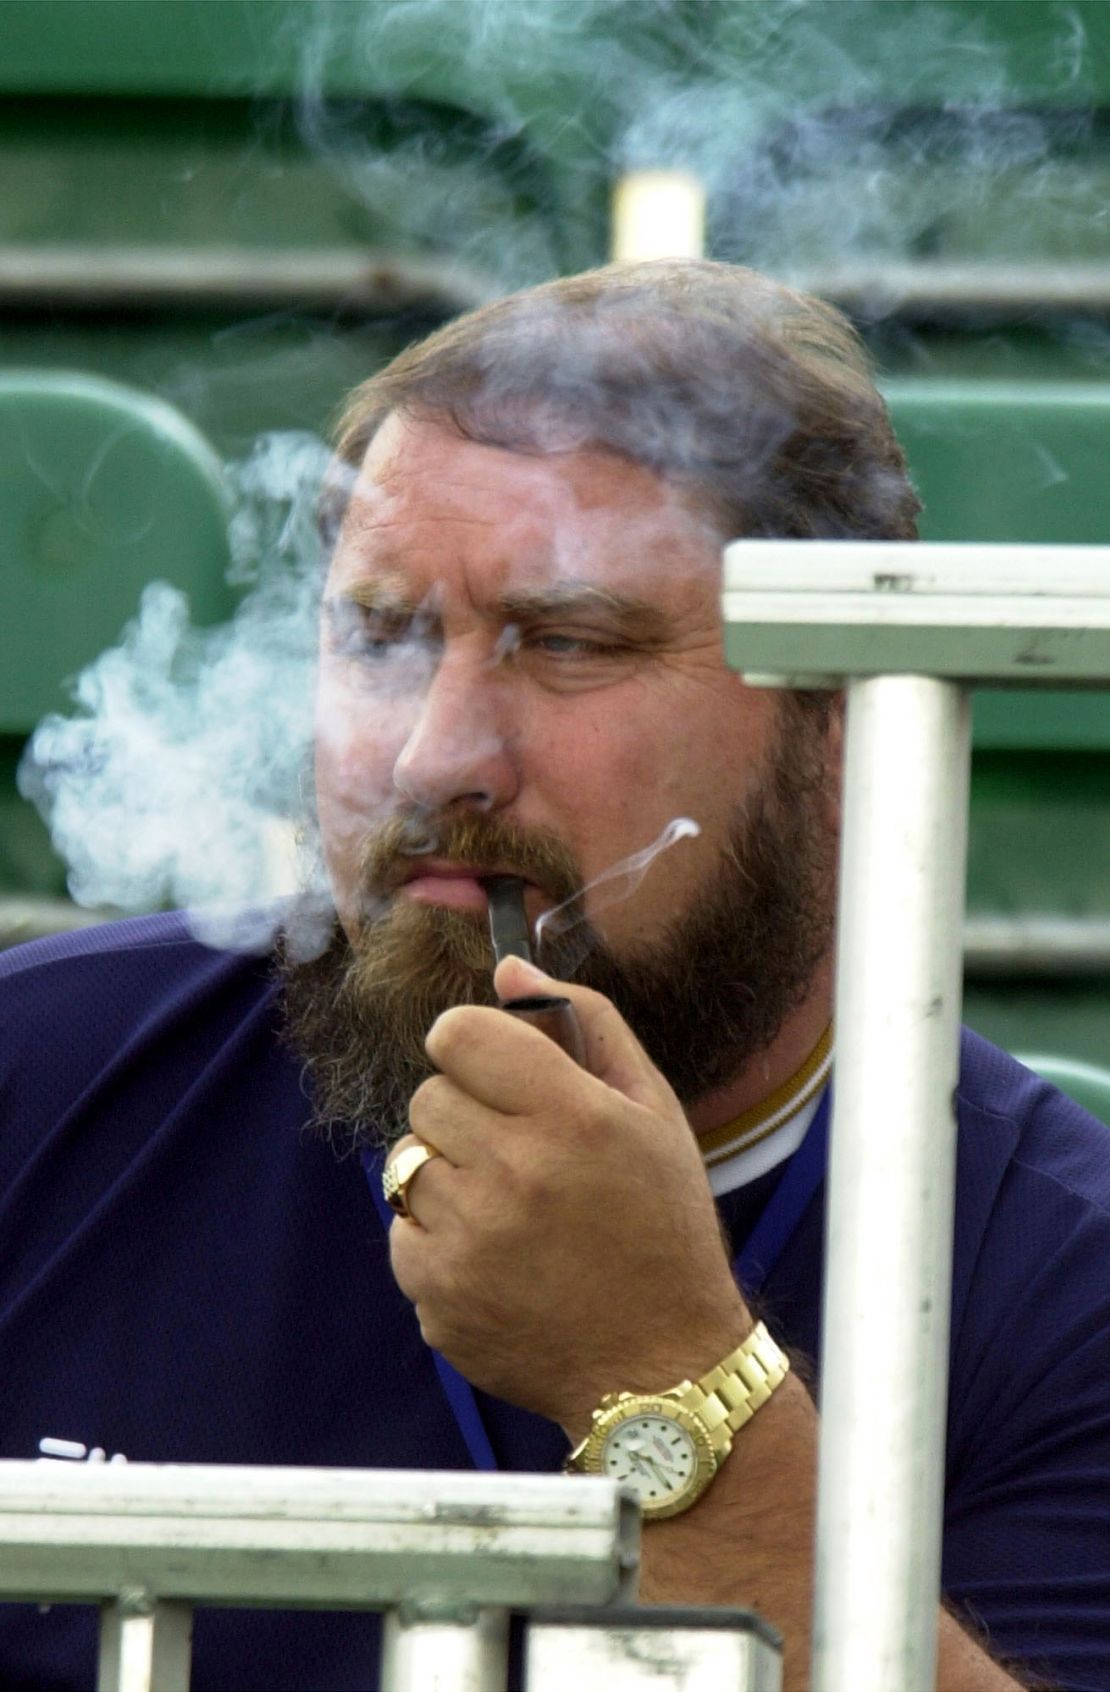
(749, 1164)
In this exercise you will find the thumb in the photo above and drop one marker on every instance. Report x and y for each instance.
(613, 1053)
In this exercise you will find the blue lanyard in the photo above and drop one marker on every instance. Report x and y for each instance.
(457, 1390)
(796, 1186)
(783, 1211)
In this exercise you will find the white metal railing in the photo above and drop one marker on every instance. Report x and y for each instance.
(446, 1556)
(906, 629)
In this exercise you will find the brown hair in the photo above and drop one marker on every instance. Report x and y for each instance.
(713, 376)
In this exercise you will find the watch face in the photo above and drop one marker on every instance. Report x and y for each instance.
(653, 1455)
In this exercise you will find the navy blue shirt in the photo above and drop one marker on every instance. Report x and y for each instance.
(188, 1275)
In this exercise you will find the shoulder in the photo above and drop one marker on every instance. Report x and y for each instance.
(113, 1018)
(1031, 1293)
(90, 984)
(128, 946)
(164, 946)
(1013, 1122)
(1029, 1385)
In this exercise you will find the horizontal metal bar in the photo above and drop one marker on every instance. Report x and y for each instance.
(813, 613)
(1012, 947)
(1016, 946)
(339, 276)
(911, 571)
(153, 277)
(1016, 287)
(333, 1538)
(23, 919)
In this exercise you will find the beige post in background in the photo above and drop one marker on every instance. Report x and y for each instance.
(658, 214)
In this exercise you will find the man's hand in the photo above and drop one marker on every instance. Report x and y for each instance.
(566, 1243)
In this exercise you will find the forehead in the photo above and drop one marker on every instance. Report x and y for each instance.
(433, 509)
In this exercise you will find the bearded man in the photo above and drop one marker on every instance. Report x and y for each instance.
(521, 674)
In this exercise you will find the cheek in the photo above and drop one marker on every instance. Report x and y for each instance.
(623, 769)
(357, 742)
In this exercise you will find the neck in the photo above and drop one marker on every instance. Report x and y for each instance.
(774, 1066)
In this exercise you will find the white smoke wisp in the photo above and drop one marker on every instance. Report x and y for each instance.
(177, 780)
(452, 156)
(827, 136)
(617, 882)
(835, 139)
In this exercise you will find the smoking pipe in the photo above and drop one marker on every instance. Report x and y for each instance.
(509, 932)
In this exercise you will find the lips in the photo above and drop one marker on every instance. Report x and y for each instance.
(442, 881)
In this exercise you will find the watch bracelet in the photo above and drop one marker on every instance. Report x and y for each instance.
(723, 1400)
(728, 1396)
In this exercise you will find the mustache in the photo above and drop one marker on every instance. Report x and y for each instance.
(535, 855)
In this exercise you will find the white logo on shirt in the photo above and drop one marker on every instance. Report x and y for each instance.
(72, 1451)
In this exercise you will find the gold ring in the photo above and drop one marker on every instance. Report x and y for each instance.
(398, 1176)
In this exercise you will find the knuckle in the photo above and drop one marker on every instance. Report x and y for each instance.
(590, 1001)
(585, 1120)
(425, 1102)
(519, 1197)
(404, 1255)
(433, 1332)
(454, 1031)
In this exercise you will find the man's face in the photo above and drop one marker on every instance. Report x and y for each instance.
(536, 639)
(528, 648)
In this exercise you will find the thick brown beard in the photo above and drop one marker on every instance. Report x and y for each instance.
(705, 998)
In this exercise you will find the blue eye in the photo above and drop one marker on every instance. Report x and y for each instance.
(570, 646)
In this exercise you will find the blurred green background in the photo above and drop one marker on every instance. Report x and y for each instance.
(238, 208)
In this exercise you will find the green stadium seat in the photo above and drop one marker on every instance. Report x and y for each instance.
(103, 488)
(1022, 462)
(1086, 1083)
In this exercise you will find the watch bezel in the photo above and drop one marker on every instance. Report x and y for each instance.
(627, 1407)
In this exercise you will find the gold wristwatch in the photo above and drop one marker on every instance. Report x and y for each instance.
(667, 1446)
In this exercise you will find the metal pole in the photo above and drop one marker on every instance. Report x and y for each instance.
(891, 1178)
(425, 1652)
(652, 1648)
(144, 1646)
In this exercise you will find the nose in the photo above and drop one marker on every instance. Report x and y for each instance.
(460, 751)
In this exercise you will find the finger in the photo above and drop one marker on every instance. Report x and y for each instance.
(418, 1202)
(613, 1053)
(407, 1141)
(443, 1114)
(496, 1061)
(513, 1068)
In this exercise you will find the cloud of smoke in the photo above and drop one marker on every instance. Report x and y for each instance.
(176, 779)
(824, 133)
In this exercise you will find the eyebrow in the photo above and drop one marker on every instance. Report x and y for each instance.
(380, 594)
(635, 618)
